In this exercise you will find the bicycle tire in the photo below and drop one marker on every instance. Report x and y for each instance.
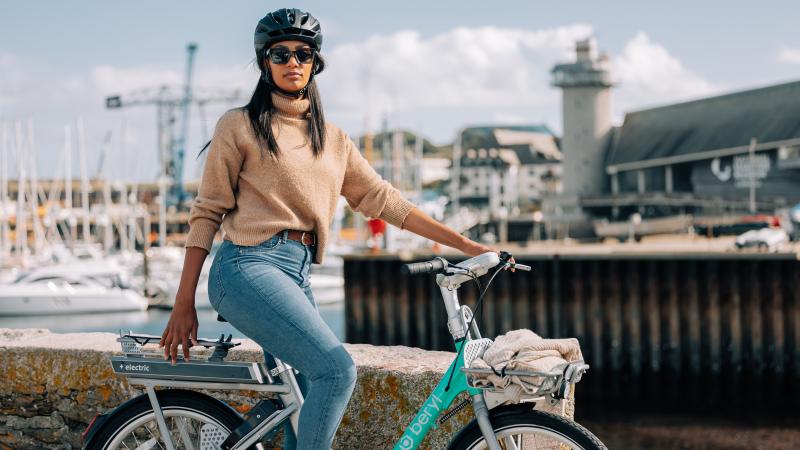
(569, 432)
(170, 400)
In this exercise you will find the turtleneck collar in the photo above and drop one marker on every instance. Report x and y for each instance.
(292, 107)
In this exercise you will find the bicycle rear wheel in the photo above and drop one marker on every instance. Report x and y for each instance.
(526, 430)
(195, 421)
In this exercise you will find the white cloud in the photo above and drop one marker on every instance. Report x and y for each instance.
(10, 77)
(54, 100)
(648, 74)
(464, 67)
(789, 55)
(432, 84)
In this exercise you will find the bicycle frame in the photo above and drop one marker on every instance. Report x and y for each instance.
(442, 397)
(439, 400)
(248, 376)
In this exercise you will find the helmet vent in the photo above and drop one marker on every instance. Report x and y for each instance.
(285, 24)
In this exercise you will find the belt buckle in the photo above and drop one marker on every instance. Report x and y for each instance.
(303, 238)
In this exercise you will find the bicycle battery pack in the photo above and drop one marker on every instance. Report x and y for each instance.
(194, 370)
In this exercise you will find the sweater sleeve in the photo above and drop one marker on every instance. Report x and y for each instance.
(369, 194)
(216, 193)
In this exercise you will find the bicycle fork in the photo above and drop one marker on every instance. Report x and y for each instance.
(485, 425)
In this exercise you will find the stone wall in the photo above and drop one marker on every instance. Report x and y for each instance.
(54, 384)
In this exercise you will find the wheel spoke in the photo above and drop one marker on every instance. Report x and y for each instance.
(525, 437)
(149, 430)
(148, 444)
(187, 441)
(509, 443)
(186, 428)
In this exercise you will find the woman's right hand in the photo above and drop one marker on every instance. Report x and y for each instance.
(181, 329)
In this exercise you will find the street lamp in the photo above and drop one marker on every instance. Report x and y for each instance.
(537, 224)
(635, 221)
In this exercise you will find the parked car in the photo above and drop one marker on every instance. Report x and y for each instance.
(765, 239)
(794, 222)
(743, 224)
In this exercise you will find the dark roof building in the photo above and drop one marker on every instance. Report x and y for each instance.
(733, 153)
(724, 125)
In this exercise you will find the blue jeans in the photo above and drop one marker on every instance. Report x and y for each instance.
(264, 292)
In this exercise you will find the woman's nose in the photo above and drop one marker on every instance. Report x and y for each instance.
(293, 62)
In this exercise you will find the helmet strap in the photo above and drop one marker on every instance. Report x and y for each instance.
(266, 76)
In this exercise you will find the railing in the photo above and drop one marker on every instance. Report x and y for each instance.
(700, 331)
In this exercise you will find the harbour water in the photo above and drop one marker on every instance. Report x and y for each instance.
(152, 321)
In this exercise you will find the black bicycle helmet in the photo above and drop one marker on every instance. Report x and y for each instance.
(285, 25)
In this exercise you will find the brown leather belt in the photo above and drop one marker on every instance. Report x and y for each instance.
(304, 237)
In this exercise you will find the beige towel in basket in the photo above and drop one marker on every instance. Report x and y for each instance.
(526, 351)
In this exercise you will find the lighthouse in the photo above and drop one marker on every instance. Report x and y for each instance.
(586, 120)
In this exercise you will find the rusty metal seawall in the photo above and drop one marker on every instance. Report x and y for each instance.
(689, 331)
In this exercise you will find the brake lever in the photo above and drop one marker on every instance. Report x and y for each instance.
(455, 269)
(506, 256)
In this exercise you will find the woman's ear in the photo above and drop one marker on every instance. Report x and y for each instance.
(319, 64)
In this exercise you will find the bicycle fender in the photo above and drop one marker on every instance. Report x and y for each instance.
(495, 412)
(104, 417)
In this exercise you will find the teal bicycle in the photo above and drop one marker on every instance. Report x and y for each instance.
(181, 418)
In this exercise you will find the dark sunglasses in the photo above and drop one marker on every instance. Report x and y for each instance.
(282, 55)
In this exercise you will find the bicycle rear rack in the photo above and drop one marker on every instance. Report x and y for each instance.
(139, 364)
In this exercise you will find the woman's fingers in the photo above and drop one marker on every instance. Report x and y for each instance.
(179, 332)
(186, 346)
(194, 333)
(166, 340)
(174, 351)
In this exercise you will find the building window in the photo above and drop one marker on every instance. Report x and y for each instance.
(789, 152)
(789, 157)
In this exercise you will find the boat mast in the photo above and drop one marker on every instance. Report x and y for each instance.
(20, 225)
(4, 231)
(68, 185)
(87, 237)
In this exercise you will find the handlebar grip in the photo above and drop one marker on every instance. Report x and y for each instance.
(435, 265)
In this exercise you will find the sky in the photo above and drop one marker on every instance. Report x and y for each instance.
(429, 67)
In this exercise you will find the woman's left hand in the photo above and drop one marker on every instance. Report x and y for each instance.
(473, 248)
(422, 224)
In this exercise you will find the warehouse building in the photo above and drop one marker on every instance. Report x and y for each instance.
(736, 153)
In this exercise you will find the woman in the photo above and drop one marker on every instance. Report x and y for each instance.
(274, 172)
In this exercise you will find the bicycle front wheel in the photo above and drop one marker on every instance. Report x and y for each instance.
(195, 421)
(528, 430)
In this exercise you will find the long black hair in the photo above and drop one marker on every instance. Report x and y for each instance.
(260, 110)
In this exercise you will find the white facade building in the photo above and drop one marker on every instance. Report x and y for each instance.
(514, 175)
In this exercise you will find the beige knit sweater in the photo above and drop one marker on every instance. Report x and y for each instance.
(254, 197)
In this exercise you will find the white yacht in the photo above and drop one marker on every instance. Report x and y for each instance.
(48, 292)
(327, 280)
(164, 273)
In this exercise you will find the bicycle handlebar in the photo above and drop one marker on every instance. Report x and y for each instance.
(436, 265)
(481, 264)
